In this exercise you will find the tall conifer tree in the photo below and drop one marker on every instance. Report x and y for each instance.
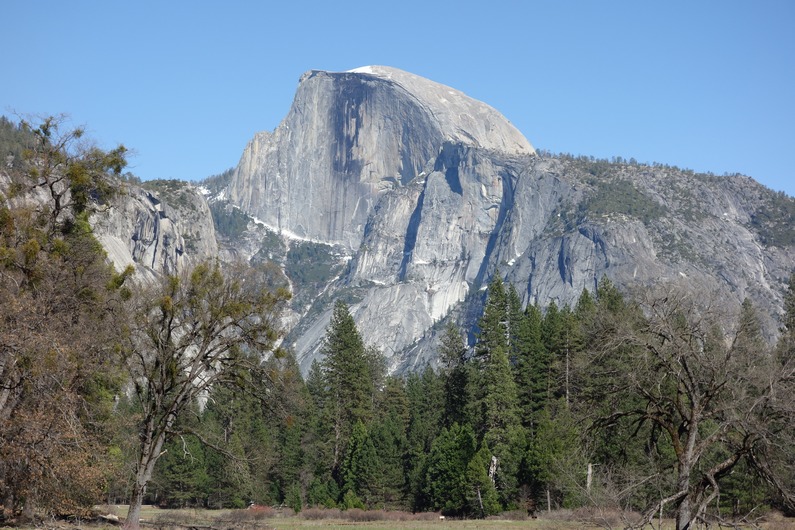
(495, 414)
(348, 374)
(455, 372)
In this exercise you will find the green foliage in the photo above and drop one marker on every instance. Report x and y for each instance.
(533, 367)
(426, 399)
(218, 182)
(292, 497)
(456, 373)
(181, 477)
(482, 498)
(349, 374)
(361, 470)
(447, 483)
(322, 493)
(552, 448)
(351, 501)
(774, 221)
(176, 193)
(15, 139)
(310, 263)
(621, 197)
(235, 425)
(229, 221)
(272, 248)
(390, 443)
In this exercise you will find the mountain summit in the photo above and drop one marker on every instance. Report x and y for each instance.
(349, 138)
(460, 117)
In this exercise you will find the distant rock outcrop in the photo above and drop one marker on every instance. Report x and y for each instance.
(159, 230)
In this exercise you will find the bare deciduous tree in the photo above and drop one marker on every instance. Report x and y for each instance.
(719, 396)
(190, 333)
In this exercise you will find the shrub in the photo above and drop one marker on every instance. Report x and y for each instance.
(316, 514)
(350, 501)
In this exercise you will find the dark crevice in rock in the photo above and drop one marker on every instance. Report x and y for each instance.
(506, 204)
(411, 236)
(448, 162)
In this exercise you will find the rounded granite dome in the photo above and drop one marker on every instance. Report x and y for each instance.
(462, 118)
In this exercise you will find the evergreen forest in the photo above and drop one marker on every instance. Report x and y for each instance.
(653, 400)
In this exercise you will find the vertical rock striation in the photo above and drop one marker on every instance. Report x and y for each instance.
(349, 138)
(157, 237)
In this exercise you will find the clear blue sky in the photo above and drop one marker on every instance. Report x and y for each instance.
(708, 85)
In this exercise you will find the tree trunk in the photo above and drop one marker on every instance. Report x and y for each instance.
(589, 478)
(29, 507)
(683, 514)
(134, 512)
(150, 453)
(683, 511)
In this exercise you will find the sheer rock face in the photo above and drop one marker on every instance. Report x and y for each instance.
(157, 237)
(349, 138)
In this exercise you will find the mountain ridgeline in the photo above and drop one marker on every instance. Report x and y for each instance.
(403, 197)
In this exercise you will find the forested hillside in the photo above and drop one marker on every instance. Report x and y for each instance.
(626, 403)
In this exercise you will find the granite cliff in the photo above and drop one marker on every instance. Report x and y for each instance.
(160, 229)
(411, 195)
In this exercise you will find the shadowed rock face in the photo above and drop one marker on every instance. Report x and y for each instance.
(349, 138)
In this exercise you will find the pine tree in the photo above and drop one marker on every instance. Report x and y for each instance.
(554, 448)
(496, 418)
(388, 436)
(241, 449)
(608, 297)
(552, 335)
(493, 325)
(586, 305)
(491, 353)
(289, 415)
(318, 442)
(519, 333)
(786, 343)
(455, 372)
(348, 370)
(446, 482)
(425, 394)
(360, 472)
(532, 368)
(789, 305)
(180, 479)
(482, 498)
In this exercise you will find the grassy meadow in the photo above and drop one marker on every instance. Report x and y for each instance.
(262, 518)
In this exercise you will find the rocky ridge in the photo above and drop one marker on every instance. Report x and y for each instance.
(428, 192)
(403, 197)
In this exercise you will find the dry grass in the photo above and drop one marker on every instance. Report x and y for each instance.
(266, 518)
